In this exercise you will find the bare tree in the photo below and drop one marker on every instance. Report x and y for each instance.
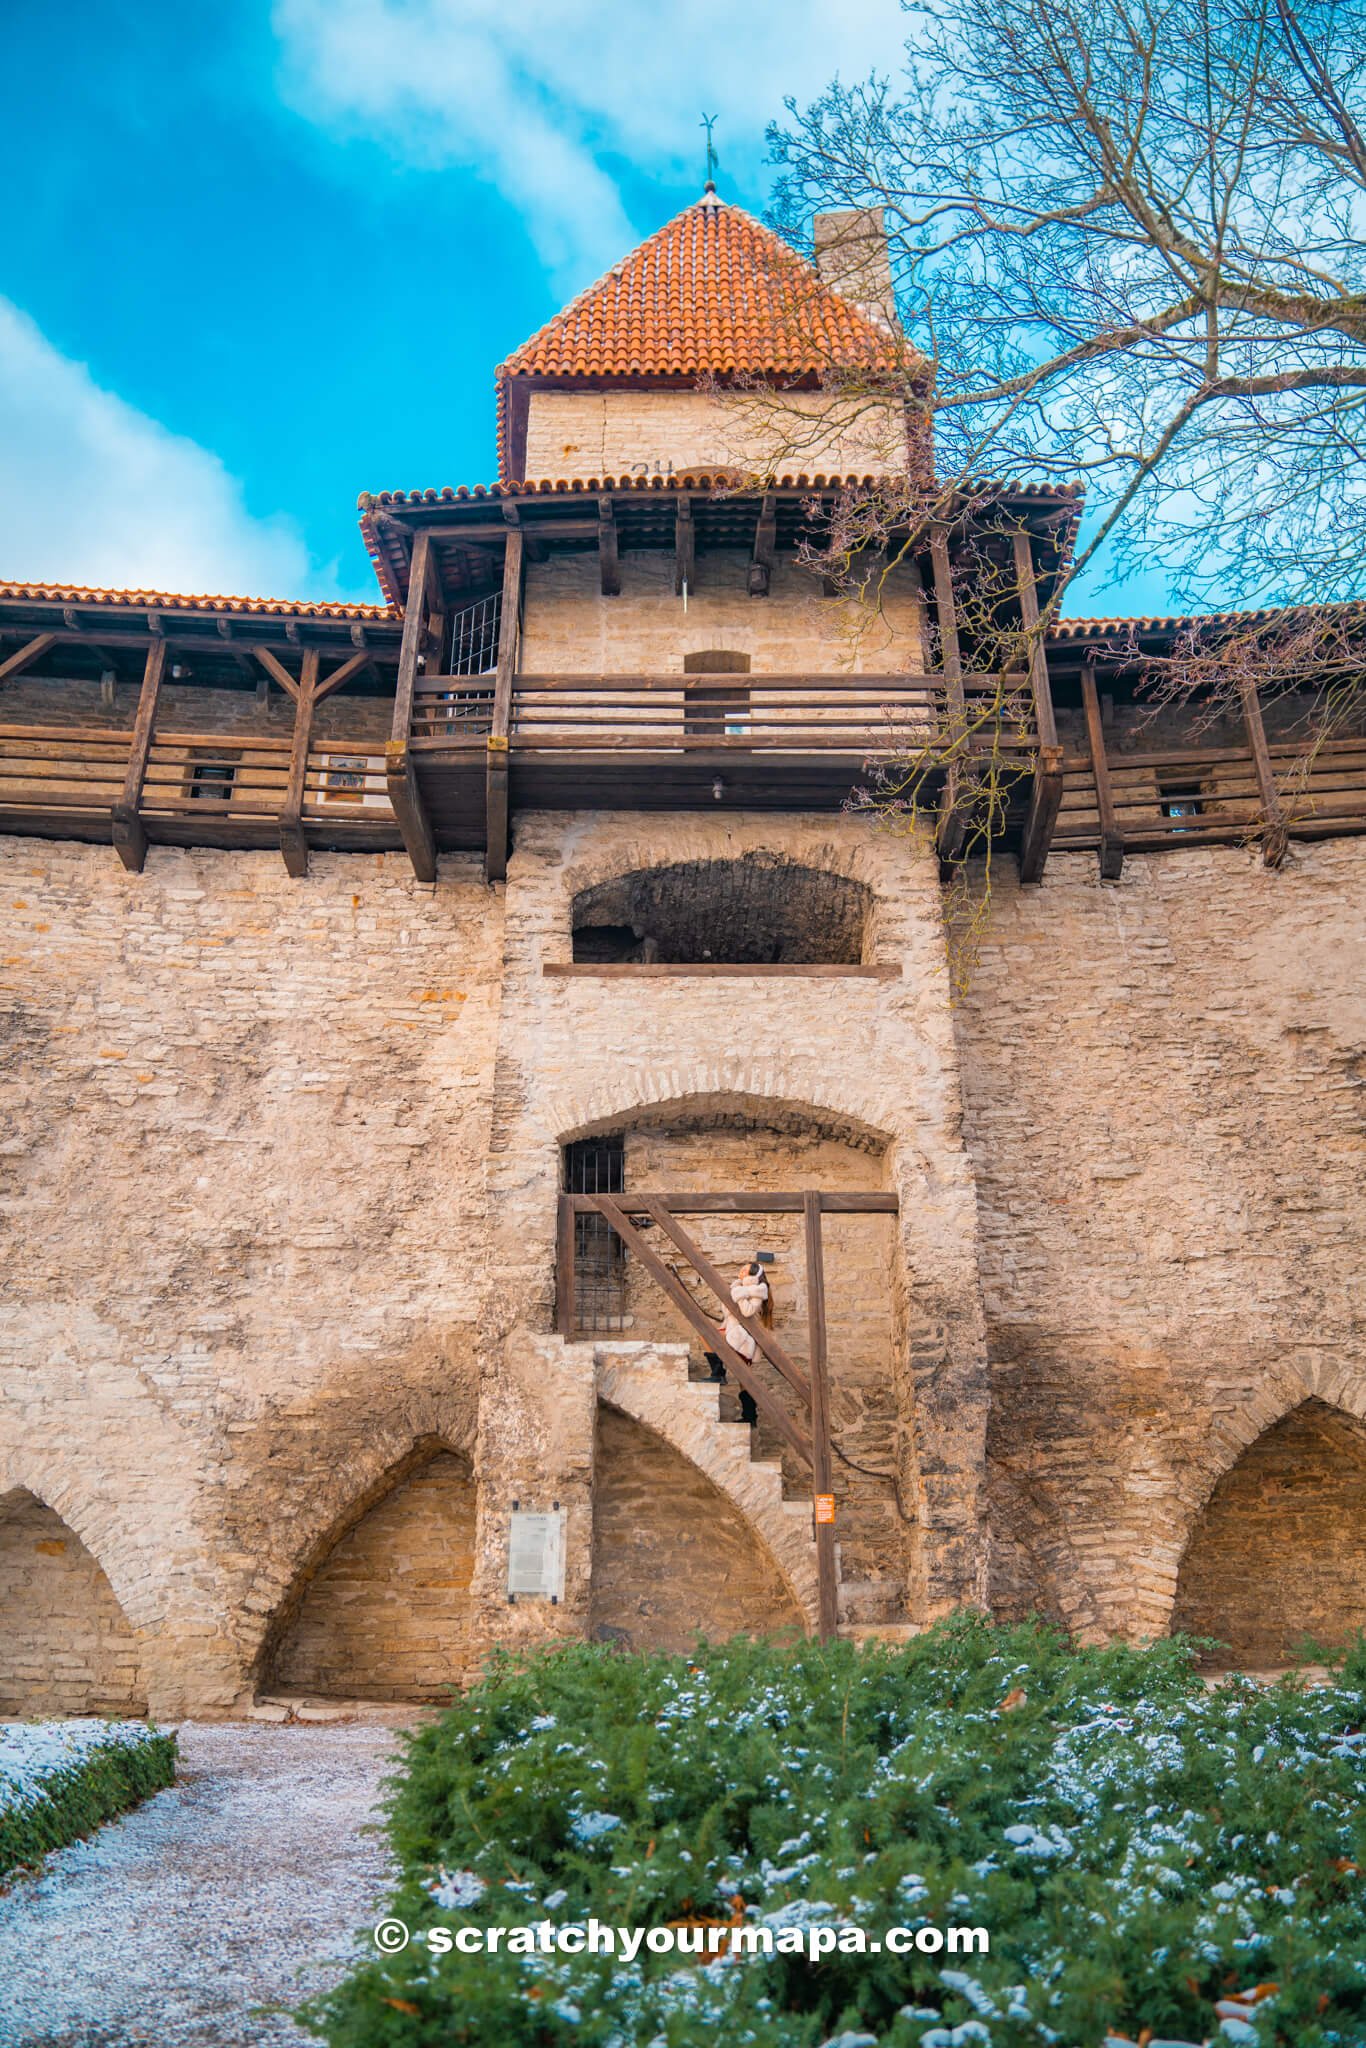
(1129, 237)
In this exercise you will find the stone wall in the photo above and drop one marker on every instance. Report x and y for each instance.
(570, 628)
(67, 1645)
(1163, 1098)
(586, 434)
(242, 1128)
(1278, 1555)
(671, 1558)
(387, 1615)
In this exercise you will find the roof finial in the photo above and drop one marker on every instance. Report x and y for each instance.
(708, 122)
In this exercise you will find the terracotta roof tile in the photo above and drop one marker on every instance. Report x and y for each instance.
(171, 601)
(712, 291)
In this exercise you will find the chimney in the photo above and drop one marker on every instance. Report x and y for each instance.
(852, 258)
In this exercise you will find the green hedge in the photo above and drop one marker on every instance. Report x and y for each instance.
(68, 1801)
(1169, 1845)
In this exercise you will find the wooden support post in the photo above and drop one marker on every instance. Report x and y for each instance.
(128, 831)
(951, 832)
(1045, 798)
(400, 775)
(822, 1473)
(1046, 794)
(685, 547)
(293, 845)
(608, 564)
(278, 671)
(566, 1308)
(765, 543)
(1045, 724)
(23, 657)
(1275, 834)
(496, 759)
(1111, 838)
(705, 1328)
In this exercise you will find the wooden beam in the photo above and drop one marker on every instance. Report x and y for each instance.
(822, 1473)
(1045, 797)
(705, 1328)
(1275, 835)
(780, 1204)
(406, 797)
(128, 832)
(566, 1307)
(1045, 724)
(341, 676)
(414, 627)
(765, 542)
(277, 669)
(952, 829)
(685, 547)
(293, 845)
(773, 1351)
(500, 725)
(608, 562)
(1111, 838)
(24, 656)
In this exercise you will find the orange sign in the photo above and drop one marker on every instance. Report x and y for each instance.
(825, 1507)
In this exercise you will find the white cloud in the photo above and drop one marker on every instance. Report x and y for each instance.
(533, 97)
(98, 493)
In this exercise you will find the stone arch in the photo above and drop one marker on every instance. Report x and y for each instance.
(647, 1384)
(765, 1091)
(1277, 1550)
(126, 1556)
(325, 1482)
(672, 1556)
(380, 1607)
(744, 907)
(855, 857)
(69, 1646)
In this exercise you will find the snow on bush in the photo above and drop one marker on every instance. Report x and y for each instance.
(60, 1779)
(1150, 1858)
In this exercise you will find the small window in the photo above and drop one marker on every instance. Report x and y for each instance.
(211, 776)
(1180, 798)
(597, 1166)
(716, 709)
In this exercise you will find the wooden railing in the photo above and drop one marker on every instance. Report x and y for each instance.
(1189, 795)
(75, 772)
(735, 712)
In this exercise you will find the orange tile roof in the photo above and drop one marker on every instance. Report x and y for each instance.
(712, 291)
(171, 601)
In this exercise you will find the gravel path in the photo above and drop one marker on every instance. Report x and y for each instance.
(239, 1887)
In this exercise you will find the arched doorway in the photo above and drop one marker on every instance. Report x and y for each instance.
(1279, 1552)
(385, 1613)
(66, 1646)
(672, 1558)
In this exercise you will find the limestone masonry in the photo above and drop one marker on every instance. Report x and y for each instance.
(297, 1311)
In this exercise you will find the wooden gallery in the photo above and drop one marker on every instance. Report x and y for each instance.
(493, 1147)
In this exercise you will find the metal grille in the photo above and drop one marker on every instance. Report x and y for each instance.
(474, 637)
(597, 1166)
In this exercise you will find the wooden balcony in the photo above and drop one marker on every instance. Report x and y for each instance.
(199, 788)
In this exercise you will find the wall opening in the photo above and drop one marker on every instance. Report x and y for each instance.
(754, 911)
(672, 1558)
(1279, 1553)
(385, 1613)
(715, 708)
(68, 1646)
(597, 1166)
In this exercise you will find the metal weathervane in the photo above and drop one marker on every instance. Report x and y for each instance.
(708, 122)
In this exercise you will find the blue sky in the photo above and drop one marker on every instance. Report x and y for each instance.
(264, 257)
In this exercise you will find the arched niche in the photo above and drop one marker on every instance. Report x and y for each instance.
(1278, 1553)
(759, 909)
(383, 1610)
(66, 1646)
(672, 1557)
